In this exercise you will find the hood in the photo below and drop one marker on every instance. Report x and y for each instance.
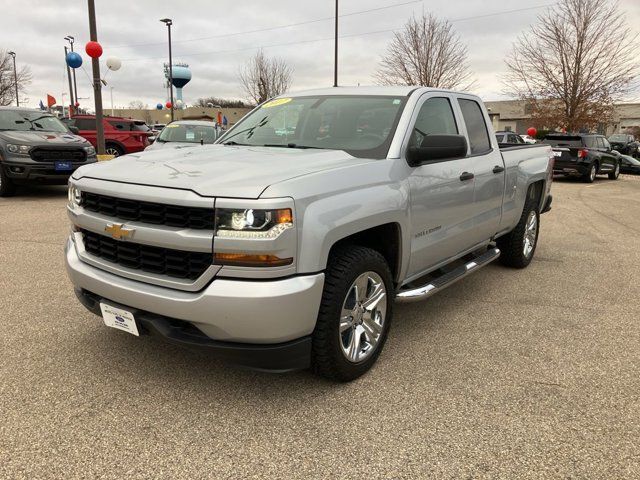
(36, 138)
(217, 170)
(157, 145)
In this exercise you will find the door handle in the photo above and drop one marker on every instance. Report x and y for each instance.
(466, 176)
(498, 169)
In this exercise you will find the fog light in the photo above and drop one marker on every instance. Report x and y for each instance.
(17, 169)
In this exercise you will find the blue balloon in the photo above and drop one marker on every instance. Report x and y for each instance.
(74, 60)
(159, 106)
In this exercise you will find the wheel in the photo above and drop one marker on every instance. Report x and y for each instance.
(616, 172)
(7, 187)
(518, 246)
(112, 149)
(591, 174)
(355, 314)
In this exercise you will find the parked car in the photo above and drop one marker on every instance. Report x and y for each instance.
(528, 139)
(282, 252)
(628, 164)
(509, 138)
(583, 155)
(36, 147)
(158, 127)
(185, 133)
(121, 135)
(625, 143)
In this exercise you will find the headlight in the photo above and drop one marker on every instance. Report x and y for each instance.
(75, 196)
(19, 149)
(250, 223)
(90, 151)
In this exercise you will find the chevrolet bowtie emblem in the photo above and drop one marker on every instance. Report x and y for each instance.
(119, 231)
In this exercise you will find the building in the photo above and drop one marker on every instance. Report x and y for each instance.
(515, 116)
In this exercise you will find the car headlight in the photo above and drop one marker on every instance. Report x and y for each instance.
(252, 223)
(90, 151)
(75, 196)
(19, 149)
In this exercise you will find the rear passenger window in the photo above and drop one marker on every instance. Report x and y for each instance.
(476, 126)
(590, 142)
(85, 123)
(435, 117)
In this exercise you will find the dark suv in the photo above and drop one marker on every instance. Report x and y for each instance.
(121, 135)
(583, 155)
(625, 143)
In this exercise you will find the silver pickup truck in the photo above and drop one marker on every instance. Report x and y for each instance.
(285, 245)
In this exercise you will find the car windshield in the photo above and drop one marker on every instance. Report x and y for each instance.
(361, 125)
(25, 120)
(181, 132)
(620, 138)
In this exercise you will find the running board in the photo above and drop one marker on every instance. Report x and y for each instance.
(440, 283)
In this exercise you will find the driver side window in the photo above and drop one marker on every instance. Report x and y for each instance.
(435, 117)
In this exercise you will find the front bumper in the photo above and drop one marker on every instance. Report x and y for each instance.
(28, 171)
(263, 312)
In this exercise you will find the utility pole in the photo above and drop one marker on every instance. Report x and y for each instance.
(15, 77)
(335, 53)
(111, 88)
(97, 85)
(168, 22)
(74, 97)
(66, 52)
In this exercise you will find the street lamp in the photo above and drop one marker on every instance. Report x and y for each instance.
(15, 76)
(74, 96)
(168, 23)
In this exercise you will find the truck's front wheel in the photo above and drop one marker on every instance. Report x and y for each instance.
(7, 188)
(355, 314)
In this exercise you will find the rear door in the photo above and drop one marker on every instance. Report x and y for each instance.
(87, 129)
(607, 159)
(489, 171)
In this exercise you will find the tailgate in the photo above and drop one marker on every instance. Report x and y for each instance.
(565, 154)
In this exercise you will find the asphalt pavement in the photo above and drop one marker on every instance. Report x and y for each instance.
(530, 373)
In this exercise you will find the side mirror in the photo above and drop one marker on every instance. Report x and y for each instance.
(74, 130)
(437, 147)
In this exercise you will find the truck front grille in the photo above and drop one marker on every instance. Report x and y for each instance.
(147, 212)
(162, 261)
(50, 154)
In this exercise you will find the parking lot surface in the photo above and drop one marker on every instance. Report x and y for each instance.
(510, 373)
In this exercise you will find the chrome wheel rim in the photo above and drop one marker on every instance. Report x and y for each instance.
(592, 174)
(362, 317)
(112, 151)
(530, 234)
(617, 172)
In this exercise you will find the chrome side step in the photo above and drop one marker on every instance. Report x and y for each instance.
(440, 283)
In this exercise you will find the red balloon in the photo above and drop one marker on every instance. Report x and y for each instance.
(532, 132)
(77, 104)
(168, 104)
(93, 49)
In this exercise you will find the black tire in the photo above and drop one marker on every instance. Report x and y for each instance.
(512, 245)
(616, 172)
(345, 265)
(7, 187)
(116, 150)
(590, 176)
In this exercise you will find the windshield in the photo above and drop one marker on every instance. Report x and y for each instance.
(619, 138)
(25, 120)
(361, 125)
(180, 132)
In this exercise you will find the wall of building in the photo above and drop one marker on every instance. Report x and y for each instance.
(164, 116)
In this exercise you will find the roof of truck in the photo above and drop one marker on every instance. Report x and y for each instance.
(380, 90)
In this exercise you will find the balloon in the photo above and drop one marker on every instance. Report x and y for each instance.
(114, 63)
(74, 60)
(532, 132)
(93, 49)
(77, 104)
(159, 106)
(179, 103)
(168, 104)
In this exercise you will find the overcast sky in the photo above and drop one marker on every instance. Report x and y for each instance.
(213, 38)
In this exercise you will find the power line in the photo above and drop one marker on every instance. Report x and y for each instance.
(297, 42)
(267, 29)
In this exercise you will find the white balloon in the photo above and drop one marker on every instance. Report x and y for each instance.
(114, 63)
(179, 103)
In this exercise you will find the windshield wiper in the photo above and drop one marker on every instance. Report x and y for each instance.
(290, 145)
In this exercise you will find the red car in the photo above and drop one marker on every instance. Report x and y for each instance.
(121, 135)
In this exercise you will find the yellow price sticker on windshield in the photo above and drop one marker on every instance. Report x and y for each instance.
(276, 102)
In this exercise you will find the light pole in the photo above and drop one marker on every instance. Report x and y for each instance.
(168, 23)
(74, 96)
(111, 88)
(97, 84)
(335, 53)
(66, 51)
(15, 77)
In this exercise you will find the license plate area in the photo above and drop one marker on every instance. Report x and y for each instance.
(63, 166)
(119, 318)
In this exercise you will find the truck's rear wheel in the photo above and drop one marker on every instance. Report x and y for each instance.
(355, 314)
(518, 246)
(7, 187)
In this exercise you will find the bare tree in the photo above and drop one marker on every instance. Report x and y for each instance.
(7, 80)
(138, 105)
(573, 64)
(426, 52)
(222, 102)
(262, 77)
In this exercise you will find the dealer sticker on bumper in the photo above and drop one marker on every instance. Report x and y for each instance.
(119, 318)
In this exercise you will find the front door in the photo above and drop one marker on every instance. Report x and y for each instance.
(440, 198)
